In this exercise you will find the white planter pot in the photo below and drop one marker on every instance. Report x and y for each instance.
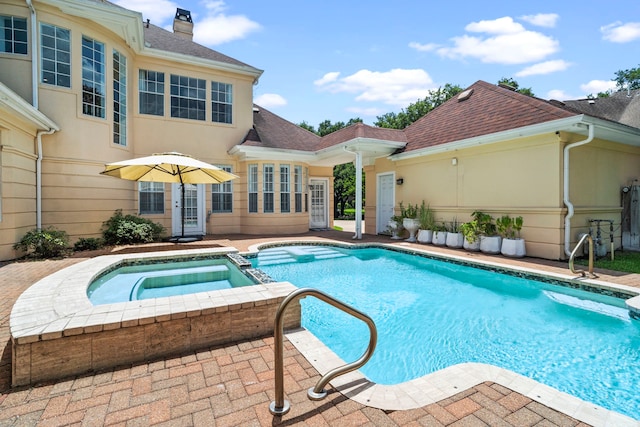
(513, 248)
(411, 225)
(425, 236)
(490, 244)
(455, 240)
(439, 238)
(474, 246)
(393, 226)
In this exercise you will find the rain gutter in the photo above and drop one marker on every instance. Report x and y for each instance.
(567, 202)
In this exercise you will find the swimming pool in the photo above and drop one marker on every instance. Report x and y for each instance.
(432, 314)
(156, 280)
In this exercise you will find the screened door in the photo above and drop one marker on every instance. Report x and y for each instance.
(386, 202)
(193, 209)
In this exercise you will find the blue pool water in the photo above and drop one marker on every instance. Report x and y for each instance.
(137, 282)
(432, 314)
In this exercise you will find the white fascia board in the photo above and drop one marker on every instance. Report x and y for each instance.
(123, 22)
(13, 102)
(255, 73)
(275, 154)
(367, 146)
(570, 124)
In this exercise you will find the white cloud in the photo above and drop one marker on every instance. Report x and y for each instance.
(595, 86)
(621, 33)
(395, 87)
(509, 43)
(327, 78)
(546, 67)
(218, 29)
(423, 47)
(157, 11)
(270, 100)
(504, 25)
(559, 94)
(367, 112)
(542, 19)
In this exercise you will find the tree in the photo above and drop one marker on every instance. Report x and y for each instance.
(628, 79)
(514, 84)
(418, 109)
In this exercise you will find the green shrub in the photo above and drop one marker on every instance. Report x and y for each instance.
(88, 244)
(44, 243)
(128, 229)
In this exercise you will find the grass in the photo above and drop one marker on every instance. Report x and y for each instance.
(627, 261)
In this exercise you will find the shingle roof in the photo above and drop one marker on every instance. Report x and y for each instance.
(622, 107)
(272, 131)
(159, 38)
(489, 109)
(361, 130)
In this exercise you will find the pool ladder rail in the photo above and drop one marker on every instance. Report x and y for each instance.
(585, 237)
(280, 406)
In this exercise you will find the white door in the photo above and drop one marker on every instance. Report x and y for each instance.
(318, 216)
(386, 201)
(193, 210)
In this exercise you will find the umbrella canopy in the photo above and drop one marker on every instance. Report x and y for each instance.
(169, 167)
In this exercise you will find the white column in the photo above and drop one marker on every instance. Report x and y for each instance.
(358, 234)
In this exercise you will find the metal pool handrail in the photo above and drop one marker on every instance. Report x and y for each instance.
(575, 251)
(280, 406)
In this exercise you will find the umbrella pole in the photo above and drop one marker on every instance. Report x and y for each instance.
(182, 208)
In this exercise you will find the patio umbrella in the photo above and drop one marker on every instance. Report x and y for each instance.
(168, 167)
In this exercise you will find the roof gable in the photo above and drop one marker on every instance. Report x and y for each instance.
(272, 131)
(481, 109)
(622, 107)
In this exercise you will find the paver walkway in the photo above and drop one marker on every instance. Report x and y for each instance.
(232, 385)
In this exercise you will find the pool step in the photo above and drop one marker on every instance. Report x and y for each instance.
(297, 254)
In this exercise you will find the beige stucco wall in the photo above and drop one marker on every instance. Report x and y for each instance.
(524, 178)
(17, 175)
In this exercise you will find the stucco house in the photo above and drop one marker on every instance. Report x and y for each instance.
(84, 83)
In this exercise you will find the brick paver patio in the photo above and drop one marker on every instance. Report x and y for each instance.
(232, 385)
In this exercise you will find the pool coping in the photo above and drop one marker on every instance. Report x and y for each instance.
(449, 381)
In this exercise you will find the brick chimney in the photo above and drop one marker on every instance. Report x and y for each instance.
(182, 24)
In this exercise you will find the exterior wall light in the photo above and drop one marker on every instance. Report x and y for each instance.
(400, 181)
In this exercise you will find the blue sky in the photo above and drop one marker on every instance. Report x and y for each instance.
(336, 60)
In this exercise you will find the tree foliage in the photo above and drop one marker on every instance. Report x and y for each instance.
(418, 109)
(516, 86)
(628, 79)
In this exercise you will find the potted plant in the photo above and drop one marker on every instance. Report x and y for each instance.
(439, 234)
(410, 220)
(395, 227)
(427, 221)
(490, 241)
(509, 228)
(471, 234)
(455, 238)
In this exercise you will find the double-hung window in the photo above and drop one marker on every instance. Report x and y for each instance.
(56, 55)
(285, 189)
(151, 92)
(151, 196)
(13, 36)
(188, 97)
(221, 102)
(93, 78)
(297, 174)
(267, 188)
(119, 98)
(253, 188)
(222, 195)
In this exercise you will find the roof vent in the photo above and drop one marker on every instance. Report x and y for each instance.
(256, 110)
(465, 95)
(591, 101)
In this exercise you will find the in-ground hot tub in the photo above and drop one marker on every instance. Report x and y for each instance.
(57, 332)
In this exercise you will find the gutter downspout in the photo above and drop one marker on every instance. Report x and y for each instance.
(570, 211)
(34, 56)
(39, 176)
(358, 216)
